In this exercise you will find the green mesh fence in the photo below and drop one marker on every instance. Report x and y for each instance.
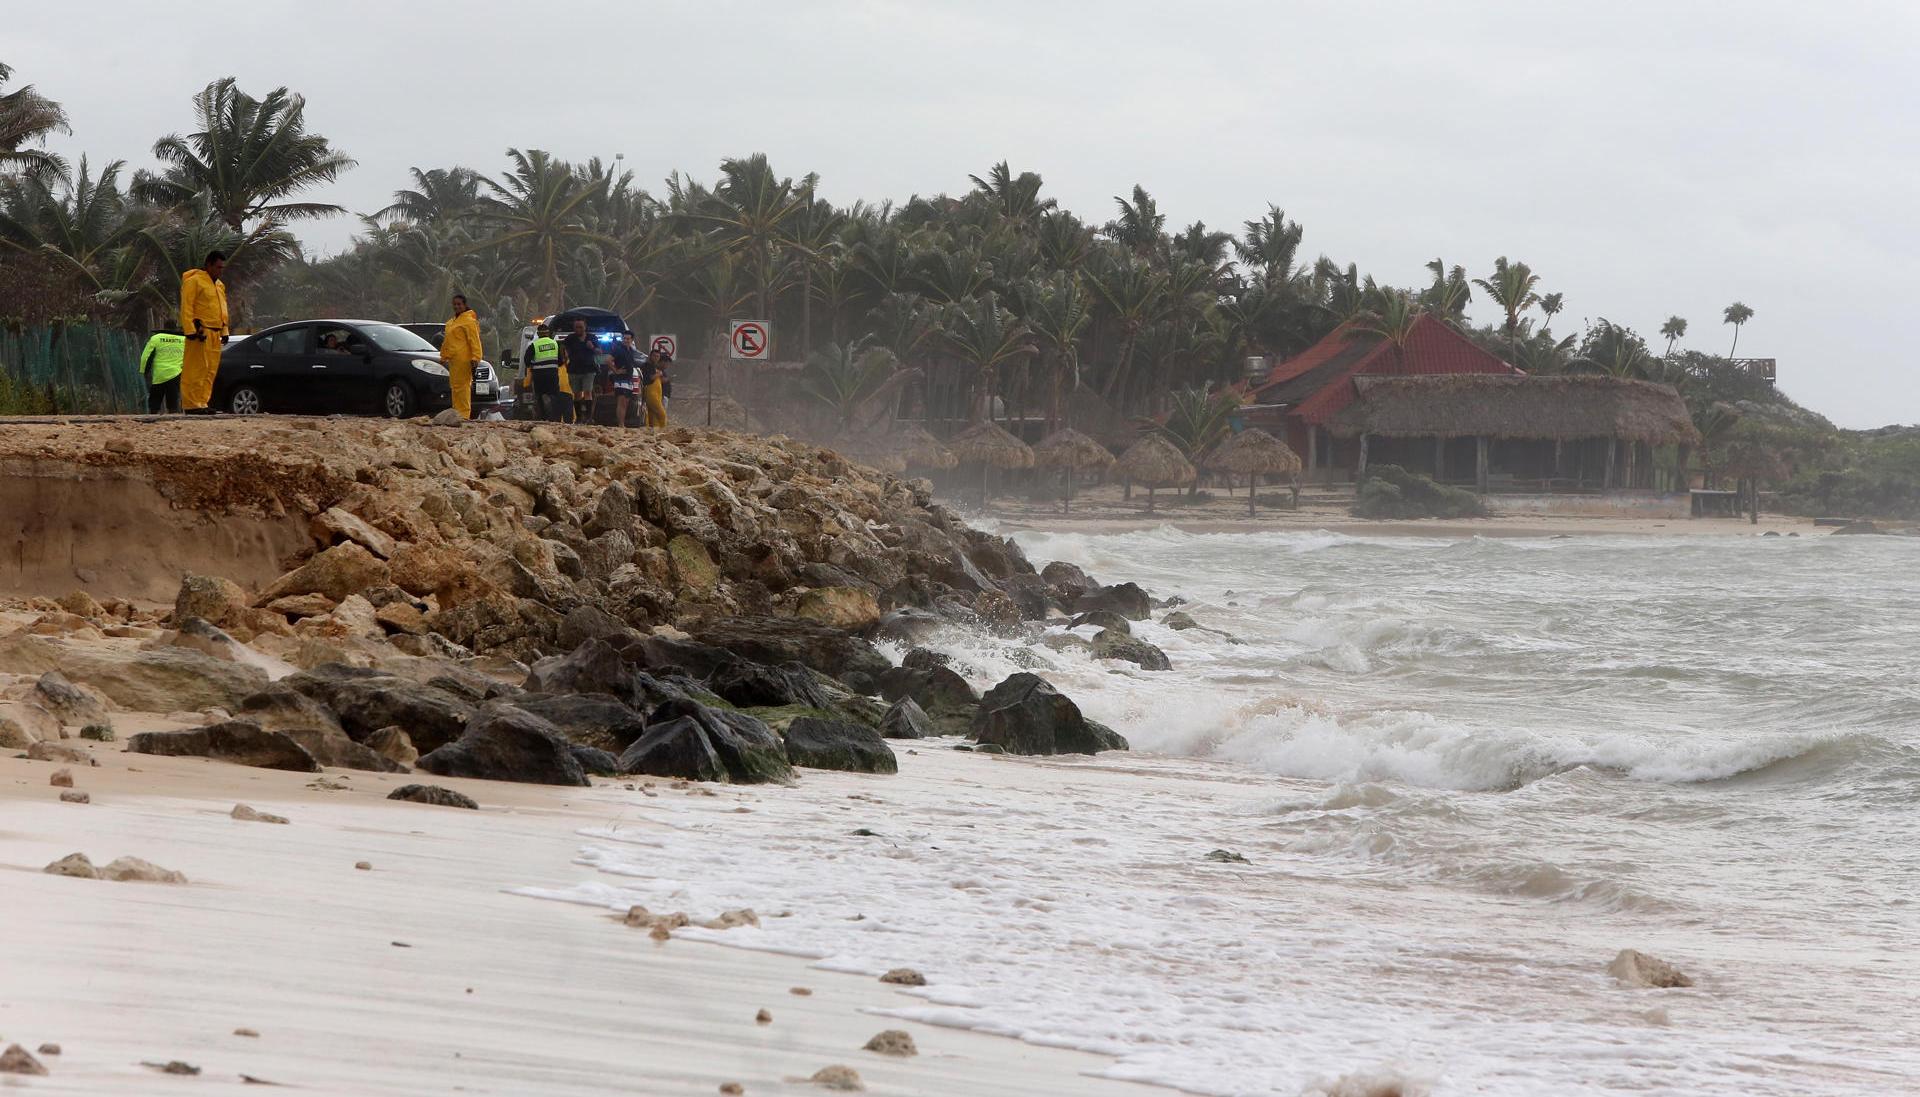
(70, 368)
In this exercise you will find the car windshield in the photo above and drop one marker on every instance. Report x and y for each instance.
(394, 337)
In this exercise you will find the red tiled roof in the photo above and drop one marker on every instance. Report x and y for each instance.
(1318, 382)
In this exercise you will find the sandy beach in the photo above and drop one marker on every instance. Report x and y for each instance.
(421, 975)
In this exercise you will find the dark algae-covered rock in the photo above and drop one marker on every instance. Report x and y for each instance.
(1026, 715)
(838, 744)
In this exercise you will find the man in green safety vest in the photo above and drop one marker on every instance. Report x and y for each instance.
(160, 364)
(543, 372)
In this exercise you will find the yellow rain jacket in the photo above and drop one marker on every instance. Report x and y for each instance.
(462, 340)
(202, 299)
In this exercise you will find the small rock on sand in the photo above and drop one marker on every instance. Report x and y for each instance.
(250, 1033)
(62, 778)
(800, 992)
(732, 1088)
(729, 919)
(18, 1060)
(659, 932)
(135, 869)
(173, 1066)
(72, 797)
(73, 864)
(434, 794)
(904, 977)
(1637, 969)
(49, 1049)
(363, 866)
(1227, 857)
(845, 1079)
(248, 813)
(764, 1017)
(60, 752)
(893, 1042)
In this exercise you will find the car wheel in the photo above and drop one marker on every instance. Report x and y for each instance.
(398, 403)
(245, 400)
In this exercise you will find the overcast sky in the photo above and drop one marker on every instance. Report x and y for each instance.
(1647, 158)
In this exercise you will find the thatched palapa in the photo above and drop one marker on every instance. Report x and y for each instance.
(1561, 408)
(921, 449)
(1156, 462)
(1255, 453)
(1071, 450)
(992, 446)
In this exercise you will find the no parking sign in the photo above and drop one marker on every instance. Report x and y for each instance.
(750, 339)
(666, 344)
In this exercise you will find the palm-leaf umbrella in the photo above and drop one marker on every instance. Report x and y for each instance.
(1156, 462)
(1071, 450)
(1254, 453)
(992, 447)
(921, 449)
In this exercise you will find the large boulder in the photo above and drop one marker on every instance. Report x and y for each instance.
(346, 568)
(71, 704)
(241, 742)
(506, 743)
(936, 687)
(594, 667)
(589, 719)
(1103, 619)
(365, 701)
(165, 679)
(818, 743)
(1026, 715)
(584, 623)
(839, 607)
(210, 598)
(333, 524)
(280, 707)
(751, 685)
(746, 747)
(1125, 599)
(1067, 581)
(23, 723)
(905, 719)
(1110, 644)
(776, 640)
(675, 748)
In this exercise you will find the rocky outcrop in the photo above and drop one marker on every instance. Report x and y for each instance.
(747, 749)
(166, 679)
(1637, 969)
(504, 743)
(336, 572)
(678, 748)
(777, 640)
(905, 719)
(395, 745)
(1125, 599)
(1109, 644)
(1025, 715)
(589, 719)
(71, 704)
(365, 701)
(817, 743)
(241, 742)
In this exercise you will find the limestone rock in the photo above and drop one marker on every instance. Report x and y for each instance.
(401, 617)
(893, 1041)
(905, 719)
(61, 778)
(166, 679)
(73, 864)
(904, 977)
(433, 794)
(241, 742)
(64, 753)
(23, 724)
(1113, 645)
(246, 813)
(1126, 599)
(842, 1078)
(838, 744)
(72, 797)
(839, 607)
(449, 418)
(133, 869)
(505, 743)
(692, 567)
(1025, 715)
(393, 744)
(344, 569)
(72, 704)
(365, 701)
(1637, 969)
(210, 598)
(780, 640)
(18, 1060)
(299, 605)
(333, 525)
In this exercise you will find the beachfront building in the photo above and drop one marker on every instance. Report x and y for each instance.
(1521, 435)
(1299, 397)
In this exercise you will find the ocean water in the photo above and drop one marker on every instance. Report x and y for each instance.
(1464, 773)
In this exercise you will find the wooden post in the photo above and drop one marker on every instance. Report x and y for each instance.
(1067, 505)
(1606, 480)
(1556, 459)
(1633, 451)
(1313, 449)
(1480, 463)
(1439, 458)
(1360, 473)
(1683, 477)
(1253, 491)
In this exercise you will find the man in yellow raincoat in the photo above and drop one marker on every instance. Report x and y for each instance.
(203, 320)
(460, 349)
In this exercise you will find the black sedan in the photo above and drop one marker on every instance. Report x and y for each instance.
(328, 366)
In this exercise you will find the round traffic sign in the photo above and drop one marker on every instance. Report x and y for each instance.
(750, 339)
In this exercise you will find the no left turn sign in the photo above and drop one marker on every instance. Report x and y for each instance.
(750, 339)
(665, 344)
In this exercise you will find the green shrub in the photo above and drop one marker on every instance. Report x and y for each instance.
(19, 398)
(1390, 491)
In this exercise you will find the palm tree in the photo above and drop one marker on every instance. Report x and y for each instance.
(1450, 293)
(851, 379)
(1512, 288)
(80, 218)
(27, 118)
(986, 336)
(1134, 293)
(1393, 318)
(1550, 306)
(1015, 197)
(536, 213)
(437, 195)
(252, 156)
(1614, 351)
(1736, 314)
(749, 212)
(1271, 245)
(1140, 222)
(1200, 419)
(1673, 330)
(1058, 311)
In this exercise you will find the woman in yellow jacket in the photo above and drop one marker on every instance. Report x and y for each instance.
(203, 319)
(460, 349)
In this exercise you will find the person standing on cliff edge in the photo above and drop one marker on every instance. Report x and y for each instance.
(160, 364)
(203, 319)
(460, 349)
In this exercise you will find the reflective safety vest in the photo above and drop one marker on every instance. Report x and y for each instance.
(544, 353)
